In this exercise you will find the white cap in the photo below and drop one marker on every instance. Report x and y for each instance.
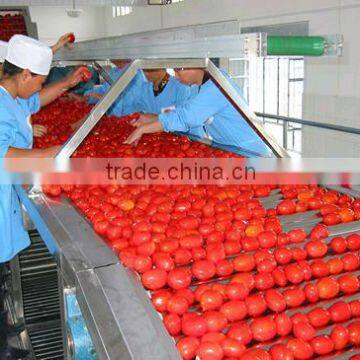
(3, 50)
(27, 53)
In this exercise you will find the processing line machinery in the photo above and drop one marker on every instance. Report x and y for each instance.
(105, 311)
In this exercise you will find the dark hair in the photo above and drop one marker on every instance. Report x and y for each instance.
(11, 69)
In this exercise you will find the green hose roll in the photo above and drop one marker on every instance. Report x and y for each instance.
(296, 45)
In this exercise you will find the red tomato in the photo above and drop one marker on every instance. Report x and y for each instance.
(217, 337)
(224, 268)
(244, 263)
(194, 325)
(338, 244)
(211, 300)
(275, 301)
(340, 311)
(283, 324)
(331, 219)
(203, 269)
(353, 242)
(163, 261)
(140, 237)
(300, 349)
(187, 347)
(294, 297)
(256, 305)
(263, 329)
(316, 248)
(240, 332)
(286, 207)
(311, 293)
(191, 241)
(160, 299)
(142, 263)
(351, 262)
(297, 235)
(267, 239)
(189, 223)
(294, 273)
(319, 317)
(237, 291)
(232, 247)
(198, 253)
(179, 278)
(253, 230)
(349, 284)
(279, 277)
(283, 255)
(232, 348)
(264, 281)
(335, 266)
(319, 269)
(299, 254)
(71, 38)
(281, 352)
(354, 332)
(177, 305)
(328, 288)
(322, 345)
(355, 308)
(346, 215)
(245, 279)
(234, 310)
(216, 321)
(210, 351)
(319, 231)
(172, 323)
(340, 337)
(154, 279)
(182, 256)
(215, 252)
(304, 331)
(255, 354)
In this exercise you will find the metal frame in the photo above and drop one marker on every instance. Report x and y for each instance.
(172, 43)
(104, 104)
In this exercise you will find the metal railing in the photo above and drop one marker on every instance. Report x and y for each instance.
(289, 120)
(327, 126)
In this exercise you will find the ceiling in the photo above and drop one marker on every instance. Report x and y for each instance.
(70, 2)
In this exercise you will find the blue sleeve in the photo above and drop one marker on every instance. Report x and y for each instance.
(33, 103)
(7, 131)
(195, 111)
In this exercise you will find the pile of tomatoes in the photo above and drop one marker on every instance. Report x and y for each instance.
(10, 25)
(225, 277)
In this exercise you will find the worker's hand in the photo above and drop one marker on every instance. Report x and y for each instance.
(76, 97)
(39, 130)
(51, 152)
(74, 78)
(149, 128)
(144, 119)
(77, 124)
(64, 40)
(93, 95)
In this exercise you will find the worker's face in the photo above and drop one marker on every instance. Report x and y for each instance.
(190, 76)
(29, 84)
(154, 74)
(120, 63)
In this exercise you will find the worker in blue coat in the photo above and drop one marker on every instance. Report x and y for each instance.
(153, 91)
(97, 92)
(208, 114)
(26, 66)
(21, 95)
